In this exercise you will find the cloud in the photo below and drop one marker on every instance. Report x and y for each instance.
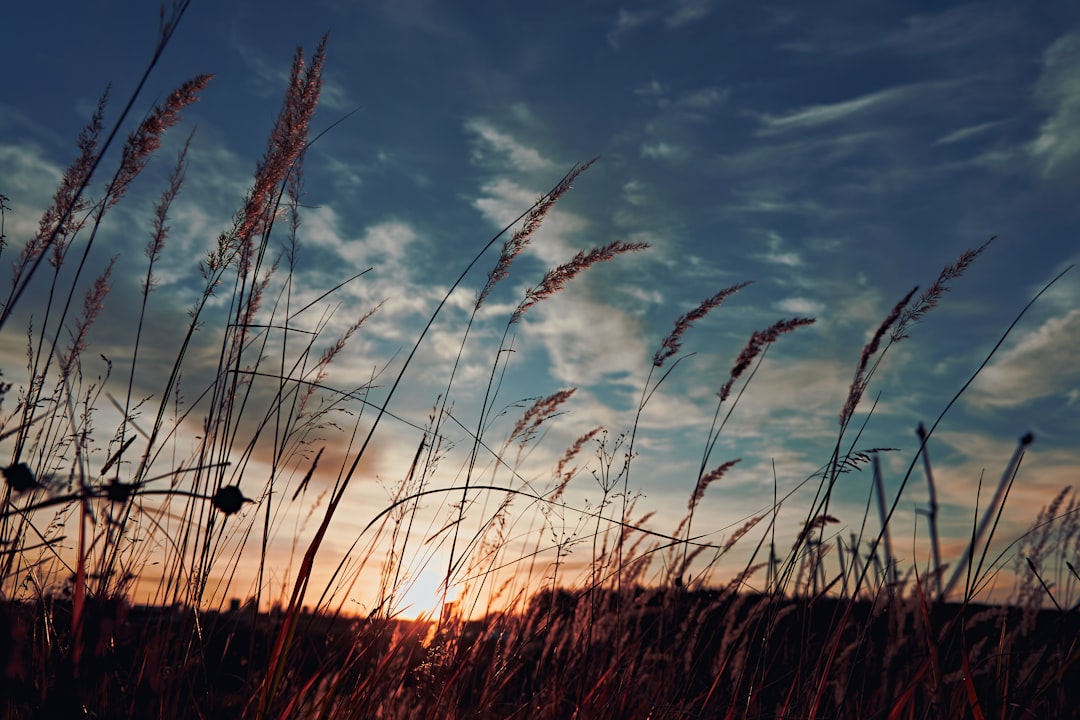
(962, 31)
(493, 142)
(501, 200)
(1043, 472)
(587, 341)
(675, 14)
(654, 88)
(273, 78)
(1043, 363)
(966, 132)
(777, 255)
(635, 192)
(662, 150)
(625, 21)
(1058, 90)
(29, 180)
(14, 123)
(383, 243)
(685, 12)
(767, 199)
(800, 306)
(817, 115)
(955, 29)
(704, 98)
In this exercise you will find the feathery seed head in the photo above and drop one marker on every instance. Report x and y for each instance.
(673, 341)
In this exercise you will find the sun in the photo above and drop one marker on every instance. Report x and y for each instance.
(420, 596)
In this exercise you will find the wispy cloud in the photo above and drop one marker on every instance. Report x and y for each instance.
(818, 115)
(662, 150)
(955, 31)
(692, 104)
(588, 341)
(271, 76)
(626, 21)
(777, 253)
(652, 89)
(955, 28)
(684, 12)
(1058, 90)
(1042, 363)
(29, 180)
(705, 98)
(490, 142)
(965, 133)
(502, 199)
(1042, 474)
(800, 306)
(672, 14)
(635, 192)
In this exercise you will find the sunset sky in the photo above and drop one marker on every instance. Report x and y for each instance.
(835, 154)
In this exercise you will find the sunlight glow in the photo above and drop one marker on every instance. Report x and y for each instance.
(421, 596)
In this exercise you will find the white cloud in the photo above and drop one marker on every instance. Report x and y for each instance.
(388, 248)
(1042, 473)
(14, 122)
(662, 150)
(625, 21)
(635, 192)
(1058, 90)
(274, 78)
(1042, 363)
(705, 98)
(675, 14)
(322, 227)
(654, 88)
(388, 241)
(787, 259)
(586, 340)
(502, 200)
(334, 96)
(800, 306)
(29, 181)
(686, 12)
(817, 115)
(968, 24)
(966, 132)
(777, 254)
(491, 141)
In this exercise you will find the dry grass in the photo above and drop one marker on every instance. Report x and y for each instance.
(837, 629)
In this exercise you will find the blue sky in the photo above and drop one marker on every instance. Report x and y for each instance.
(836, 155)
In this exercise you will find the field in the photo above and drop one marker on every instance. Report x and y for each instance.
(591, 612)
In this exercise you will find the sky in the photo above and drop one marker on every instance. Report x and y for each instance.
(836, 156)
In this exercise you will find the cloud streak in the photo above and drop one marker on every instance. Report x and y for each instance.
(1040, 364)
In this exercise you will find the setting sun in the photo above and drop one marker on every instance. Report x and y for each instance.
(421, 597)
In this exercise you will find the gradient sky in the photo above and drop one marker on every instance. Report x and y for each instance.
(837, 155)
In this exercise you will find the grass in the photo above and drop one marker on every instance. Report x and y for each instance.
(836, 627)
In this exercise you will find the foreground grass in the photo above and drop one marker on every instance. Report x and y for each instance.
(657, 652)
(836, 628)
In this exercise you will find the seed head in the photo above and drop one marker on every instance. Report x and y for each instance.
(117, 491)
(19, 477)
(229, 499)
